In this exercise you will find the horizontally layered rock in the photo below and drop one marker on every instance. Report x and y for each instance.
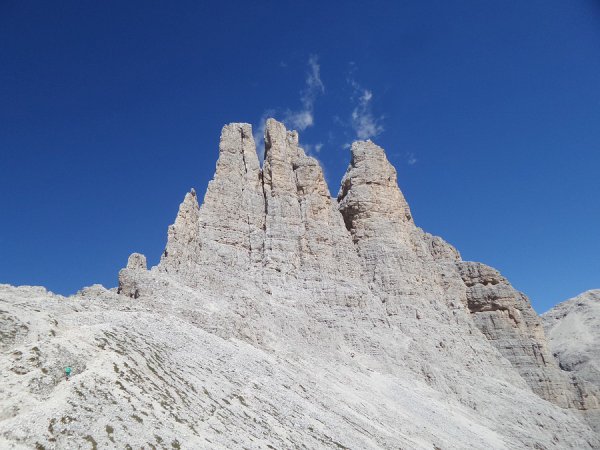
(507, 319)
(378, 217)
(440, 250)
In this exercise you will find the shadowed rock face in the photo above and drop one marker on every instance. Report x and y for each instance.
(131, 278)
(281, 317)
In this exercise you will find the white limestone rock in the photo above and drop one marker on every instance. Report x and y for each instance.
(507, 319)
(144, 374)
(440, 249)
(137, 261)
(182, 239)
(573, 330)
(131, 278)
(279, 317)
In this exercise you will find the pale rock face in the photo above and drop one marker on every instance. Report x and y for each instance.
(394, 253)
(440, 249)
(182, 237)
(304, 234)
(573, 330)
(375, 195)
(423, 296)
(232, 216)
(137, 261)
(284, 228)
(280, 317)
(132, 277)
(507, 319)
(144, 374)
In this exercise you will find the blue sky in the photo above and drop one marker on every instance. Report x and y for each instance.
(490, 111)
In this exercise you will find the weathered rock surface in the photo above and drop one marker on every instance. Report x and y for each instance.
(137, 261)
(573, 330)
(281, 317)
(507, 319)
(131, 278)
(183, 245)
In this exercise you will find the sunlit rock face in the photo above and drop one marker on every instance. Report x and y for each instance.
(573, 330)
(280, 316)
(507, 319)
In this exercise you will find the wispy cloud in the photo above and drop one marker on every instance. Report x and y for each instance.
(411, 159)
(365, 124)
(304, 118)
(259, 133)
(311, 149)
(299, 120)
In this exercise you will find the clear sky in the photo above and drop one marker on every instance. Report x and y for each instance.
(490, 110)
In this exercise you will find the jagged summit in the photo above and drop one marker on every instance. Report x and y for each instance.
(277, 218)
(372, 178)
(288, 224)
(280, 316)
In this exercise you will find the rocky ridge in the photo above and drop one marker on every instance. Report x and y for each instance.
(280, 316)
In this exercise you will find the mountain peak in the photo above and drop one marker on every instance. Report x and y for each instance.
(294, 320)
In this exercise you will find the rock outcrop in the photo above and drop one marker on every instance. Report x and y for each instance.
(131, 278)
(281, 317)
(573, 330)
(183, 247)
(507, 319)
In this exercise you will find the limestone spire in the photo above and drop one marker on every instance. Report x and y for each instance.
(182, 237)
(227, 230)
(281, 147)
(232, 215)
(369, 189)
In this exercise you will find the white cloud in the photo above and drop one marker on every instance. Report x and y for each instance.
(311, 149)
(304, 118)
(365, 124)
(259, 133)
(299, 120)
(411, 158)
